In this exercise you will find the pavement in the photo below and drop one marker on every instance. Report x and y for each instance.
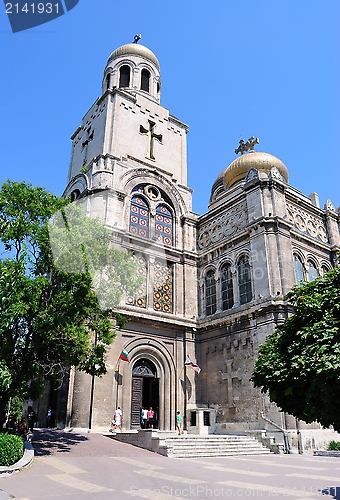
(73, 466)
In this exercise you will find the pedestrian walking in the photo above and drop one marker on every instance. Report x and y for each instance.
(118, 419)
(179, 423)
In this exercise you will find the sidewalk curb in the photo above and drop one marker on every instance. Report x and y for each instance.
(25, 461)
(324, 453)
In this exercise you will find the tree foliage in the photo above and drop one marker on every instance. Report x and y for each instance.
(299, 364)
(56, 309)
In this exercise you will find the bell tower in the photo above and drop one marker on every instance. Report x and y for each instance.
(127, 126)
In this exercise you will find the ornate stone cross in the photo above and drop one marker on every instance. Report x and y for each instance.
(86, 143)
(229, 376)
(242, 147)
(246, 146)
(151, 136)
(252, 141)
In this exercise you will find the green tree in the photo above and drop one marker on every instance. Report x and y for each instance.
(56, 308)
(299, 364)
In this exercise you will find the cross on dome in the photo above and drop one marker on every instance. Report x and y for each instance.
(246, 146)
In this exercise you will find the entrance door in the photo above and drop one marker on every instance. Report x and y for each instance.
(145, 391)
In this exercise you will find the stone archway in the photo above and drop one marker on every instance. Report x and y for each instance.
(165, 373)
(145, 391)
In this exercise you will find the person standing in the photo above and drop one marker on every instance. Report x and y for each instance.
(31, 418)
(179, 422)
(145, 417)
(118, 418)
(49, 417)
(151, 416)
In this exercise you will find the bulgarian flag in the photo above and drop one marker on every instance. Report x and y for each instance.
(124, 355)
(194, 366)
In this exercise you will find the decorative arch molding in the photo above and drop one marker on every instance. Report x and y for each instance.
(326, 265)
(164, 363)
(299, 253)
(242, 253)
(224, 262)
(137, 176)
(313, 259)
(80, 182)
(207, 269)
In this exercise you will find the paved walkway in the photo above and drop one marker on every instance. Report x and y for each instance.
(72, 466)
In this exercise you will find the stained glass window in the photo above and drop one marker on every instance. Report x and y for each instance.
(227, 288)
(139, 300)
(298, 269)
(244, 280)
(210, 293)
(162, 293)
(139, 217)
(163, 225)
(312, 271)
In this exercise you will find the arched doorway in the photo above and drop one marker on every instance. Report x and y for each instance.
(145, 391)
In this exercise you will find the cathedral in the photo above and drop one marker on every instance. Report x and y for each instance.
(213, 285)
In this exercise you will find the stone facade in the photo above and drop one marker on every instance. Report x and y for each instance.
(226, 273)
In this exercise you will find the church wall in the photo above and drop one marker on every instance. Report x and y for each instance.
(129, 115)
(88, 139)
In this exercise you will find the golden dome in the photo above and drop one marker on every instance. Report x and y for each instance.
(134, 49)
(263, 162)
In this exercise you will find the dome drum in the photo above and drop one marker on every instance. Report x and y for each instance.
(133, 67)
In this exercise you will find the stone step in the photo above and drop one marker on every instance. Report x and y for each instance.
(192, 446)
(212, 446)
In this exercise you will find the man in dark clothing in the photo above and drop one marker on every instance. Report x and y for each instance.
(31, 418)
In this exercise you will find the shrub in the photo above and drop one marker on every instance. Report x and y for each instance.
(334, 446)
(11, 449)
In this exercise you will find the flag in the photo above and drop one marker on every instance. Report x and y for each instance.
(124, 355)
(194, 366)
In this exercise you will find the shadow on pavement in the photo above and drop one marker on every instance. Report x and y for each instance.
(49, 441)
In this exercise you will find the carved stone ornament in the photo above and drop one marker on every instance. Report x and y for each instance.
(274, 175)
(307, 223)
(329, 206)
(225, 225)
(253, 174)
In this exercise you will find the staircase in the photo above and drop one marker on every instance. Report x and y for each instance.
(190, 446)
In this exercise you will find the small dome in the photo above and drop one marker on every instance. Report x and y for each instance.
(134, 49)
(263, 162)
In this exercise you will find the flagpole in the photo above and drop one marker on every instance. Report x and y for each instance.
(185, 382)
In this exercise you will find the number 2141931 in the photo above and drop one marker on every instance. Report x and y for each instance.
(32, 8)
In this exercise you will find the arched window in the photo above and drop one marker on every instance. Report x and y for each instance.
(163, 225)
(312, 271)
(210, 293)
(162, 293)
(75, 195)
(227, 288)
(139, 217)
(139, 299)
(298, 269)
(124, 76)
(144, 368)
(108, 81)
(244, 280)
(145, 80)
(324, 270)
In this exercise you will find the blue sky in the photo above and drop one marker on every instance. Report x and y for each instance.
(230, 69)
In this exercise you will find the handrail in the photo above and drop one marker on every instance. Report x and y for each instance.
(284, 432)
